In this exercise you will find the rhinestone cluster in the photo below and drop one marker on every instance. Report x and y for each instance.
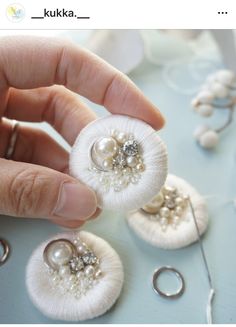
(116, 161)
(167, 208)
(74, 271)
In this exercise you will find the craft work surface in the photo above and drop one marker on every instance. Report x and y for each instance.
(212, 173)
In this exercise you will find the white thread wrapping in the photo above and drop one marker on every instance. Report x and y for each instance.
(153, 152)
(185, 233)
(66, 307)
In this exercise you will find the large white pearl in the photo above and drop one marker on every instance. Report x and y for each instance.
(209, 139)
(58, 254)
(154, 205)
(105, 147)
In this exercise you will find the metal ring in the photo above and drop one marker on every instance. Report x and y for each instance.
(12, 141)
(6, 251)
(179, 291)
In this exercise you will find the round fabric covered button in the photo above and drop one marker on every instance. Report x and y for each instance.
(166, 221)
(122, 159)
(74, 276)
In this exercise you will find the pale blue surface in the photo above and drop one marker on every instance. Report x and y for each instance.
(212, 173)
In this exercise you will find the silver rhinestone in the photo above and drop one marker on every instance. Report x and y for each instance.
(131, 148)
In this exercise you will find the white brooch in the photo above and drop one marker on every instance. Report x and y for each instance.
(74, 276)
(166, 221)
(122, 159)
(217, 93)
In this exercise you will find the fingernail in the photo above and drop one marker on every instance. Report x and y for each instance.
(75, 202)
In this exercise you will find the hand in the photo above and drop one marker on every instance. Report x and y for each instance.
(39, 79)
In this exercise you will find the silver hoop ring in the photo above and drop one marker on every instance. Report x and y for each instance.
(12, 141)
(179, 276)
(6, 251)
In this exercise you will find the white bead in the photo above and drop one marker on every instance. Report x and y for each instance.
(226, 77)
(205, 110)
(165, 212)
(89, 270)
(163, 221)
(168, 190)
(205, 96)
(179, 201)
(107, 164)
(59, 254)
(199, 131)
(219, 90)
(140, 167)
(194, 103)
(64, 271)
(121, 137)
(154, 205)
(81, 249)
(209, 139)
(131, 161)
(176, 219)
(105, 147)
(80, 275)
(178, 211)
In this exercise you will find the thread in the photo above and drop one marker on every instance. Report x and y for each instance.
(211, 291)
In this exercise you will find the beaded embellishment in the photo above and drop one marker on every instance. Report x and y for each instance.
(73, 267)
(116, 161)
(167, 208)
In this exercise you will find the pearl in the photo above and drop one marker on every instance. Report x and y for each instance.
(165, 212)
(121, 137)
(107, 164)
(205, 110)
(176, 219)
(195, 103)
(64, 271)
(205, 96)
(154, 205)
(80, 275)
(168, 190)
(81, 249)
(226, 77)
(140, 167)
(219, 90)
(178, 210)
(105, 147)
(179, 201)
(163, 221)
(58, 253)
(199, 131)
(209, 139)
(89, 270)
(131, 161)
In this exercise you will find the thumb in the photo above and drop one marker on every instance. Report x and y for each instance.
(28, 190)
